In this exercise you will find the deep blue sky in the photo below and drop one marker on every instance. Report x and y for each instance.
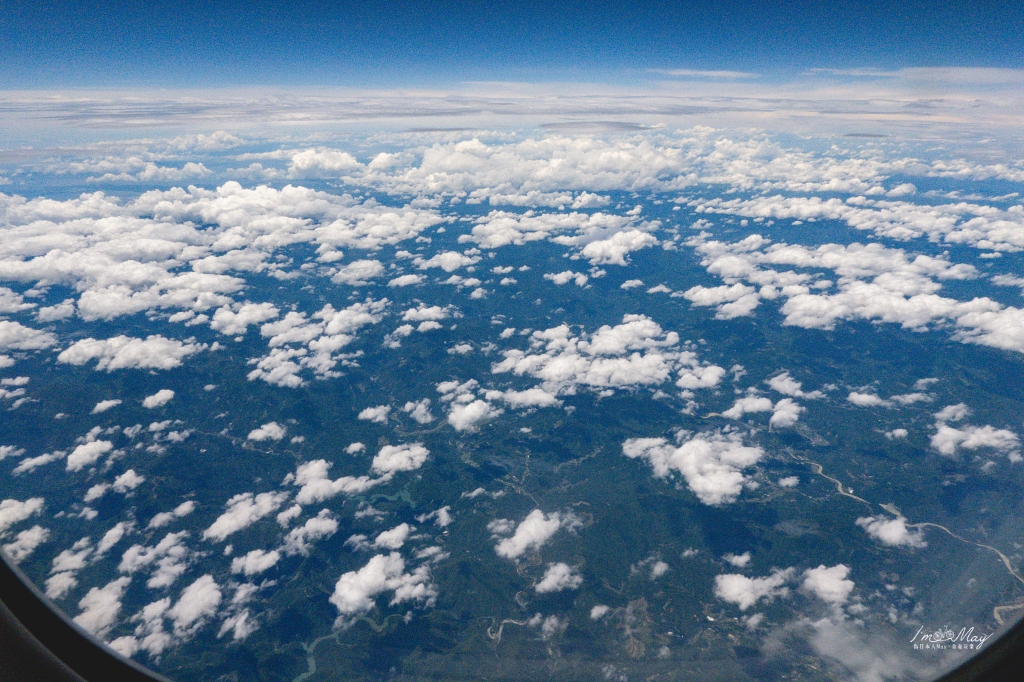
(379, 44)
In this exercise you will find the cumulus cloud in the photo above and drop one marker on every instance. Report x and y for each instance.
(785, 413)
(830, 584)
(531, 534)
(236, 319)
(419, 411)
(243, 510)
(87, 454)
(358, 273)
(711, 463)
(315, 485)
(866, 400)
(16, 336)
(377, 415)
(738, 589)
(158, 399)
(254, 562)
(394, 458)
(468, 416)
(405, 280)
(122, 352)
(127, 481)
(25, 543)
(567, 276)
(100, 607)
(635, 353)
(104, 405)
(449, 261)
(355, 591)
(787, 385)
(168, 559)
(394, 538)
(269, 431)
(197, 604)
(299, 539)
(164, 518)
(892, 532)
(747, 405)
(558, 577)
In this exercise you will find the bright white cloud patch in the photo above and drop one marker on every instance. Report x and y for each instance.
(893, 532)
(531, 534)
(269, 431)
(355, 591)
(242, 511)
(635, 353)
(394, 458)
(158, 399)
(830, 584)
(711, 463)
(104, 405)
(122, 352)
(744, 592)
(558, 577)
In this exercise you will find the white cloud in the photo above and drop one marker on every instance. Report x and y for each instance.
(449, 261)
(129, 480)
(866, 400)
(100, 607)
(377, 415)
(787, 385)
(746, 405)
(87, 454)
(535, 530)
(830, 584)
(419, 411)
(947, 440)
(737, 560)
(122, 352)
(711, 463)
(892, 532)
(269, 431)
(298, 540)
(631, 284)
(355, 591)
(358, 273)
(394, 538)
(315, 486)
(424, 312)
(26, 542)
(738, 589)
(158, 399)
(197, 603)
(394, 458)
(164, 518)
(322, 161)
(615, 250)
(169, 559)
(236, 319)
(567, 276)
(15, 336)
(559, 577)
(785, 413)
(467, 416)
(254, 562)
(104, 405)
(243, 510)
(406, 280)
(634, 353)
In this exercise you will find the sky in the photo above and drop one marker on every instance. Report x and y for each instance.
(398, 43)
